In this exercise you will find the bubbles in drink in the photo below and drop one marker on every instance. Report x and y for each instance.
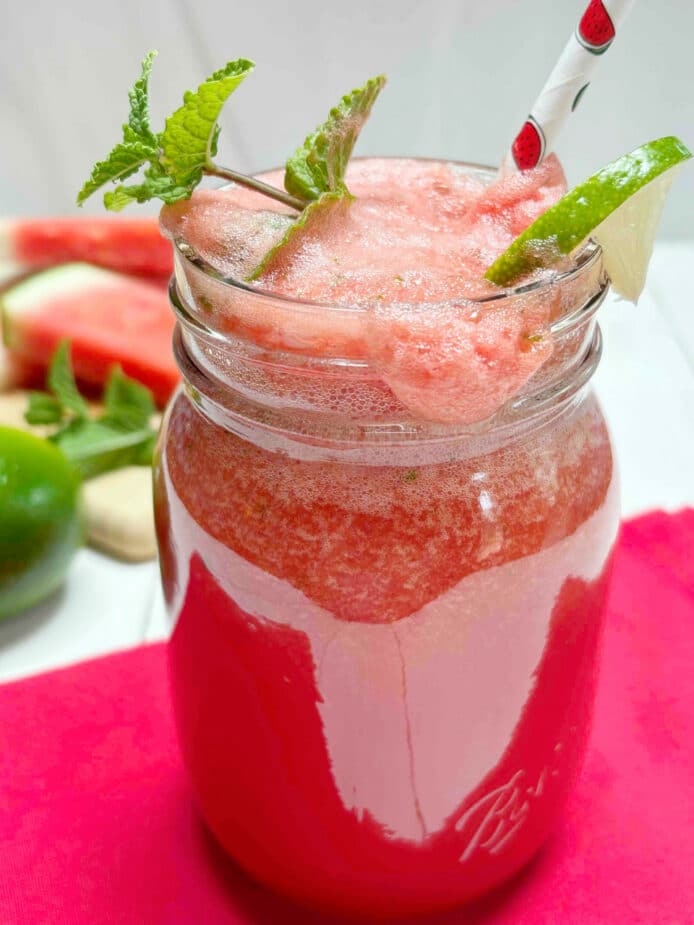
(410, 251)
(230, 237)
(458, 363)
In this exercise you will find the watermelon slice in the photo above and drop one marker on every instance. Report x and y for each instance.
(109, 318)
(128, 245)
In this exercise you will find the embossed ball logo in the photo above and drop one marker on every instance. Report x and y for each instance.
(491, 823)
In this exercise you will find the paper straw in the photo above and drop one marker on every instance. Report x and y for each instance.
(567, 83)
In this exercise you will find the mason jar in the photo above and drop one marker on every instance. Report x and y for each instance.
(385, 630)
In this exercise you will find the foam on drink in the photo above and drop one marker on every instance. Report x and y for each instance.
(411, 250)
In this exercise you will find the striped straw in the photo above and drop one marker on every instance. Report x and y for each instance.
(567, 83)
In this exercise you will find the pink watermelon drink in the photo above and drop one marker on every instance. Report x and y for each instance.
(385, 496)
(385, 510)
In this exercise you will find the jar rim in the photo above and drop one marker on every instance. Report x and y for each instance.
(590, 252)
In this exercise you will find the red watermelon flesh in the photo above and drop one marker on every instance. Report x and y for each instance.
(109, 319)
(596, 29)
(128, 245)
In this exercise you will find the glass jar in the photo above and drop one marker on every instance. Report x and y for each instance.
(385, 632)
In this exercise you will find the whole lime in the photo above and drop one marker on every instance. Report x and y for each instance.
(40, 519)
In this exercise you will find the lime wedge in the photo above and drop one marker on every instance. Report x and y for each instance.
(619, 206)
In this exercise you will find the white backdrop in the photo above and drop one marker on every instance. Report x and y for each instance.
(462, 75)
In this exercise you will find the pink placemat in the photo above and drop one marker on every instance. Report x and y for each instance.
(97, 825)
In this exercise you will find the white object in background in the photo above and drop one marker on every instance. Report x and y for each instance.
(119, 513)
(646, 387)
(670, 281)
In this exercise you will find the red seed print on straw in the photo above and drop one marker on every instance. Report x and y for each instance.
(565, 85)
(596, 30)
(529, 146)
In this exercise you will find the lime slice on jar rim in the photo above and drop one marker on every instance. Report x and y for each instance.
(619, 207)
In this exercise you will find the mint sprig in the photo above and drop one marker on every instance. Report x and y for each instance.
(61, 382)
(127, 403)
(319, 165)
(139, 145)
(316, 170)
(120, 436)
(291, 239)
(43, 409)
(94, 447)
(183, 152)
(175, 159)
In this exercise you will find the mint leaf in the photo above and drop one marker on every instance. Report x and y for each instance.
(127, 403)
(319, 165)
(176, 159)
(94, 447)
(190, 136)
(43, 409)
(61, 382)
(121, 436)
(116, 200)
(123, 161)
(156, 185)
(318, 212)
(138, 119)
(139, 144)
(316, 171)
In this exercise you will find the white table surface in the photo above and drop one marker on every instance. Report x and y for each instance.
(646, 385)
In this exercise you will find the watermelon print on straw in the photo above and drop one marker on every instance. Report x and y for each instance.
(567, 83)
